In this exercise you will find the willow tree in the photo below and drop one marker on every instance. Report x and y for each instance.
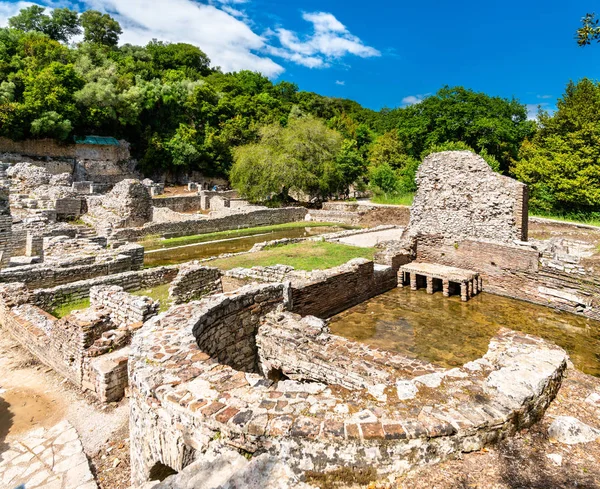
(301, 158)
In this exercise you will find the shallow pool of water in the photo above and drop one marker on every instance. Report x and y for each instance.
(448, 332)
(172, 256)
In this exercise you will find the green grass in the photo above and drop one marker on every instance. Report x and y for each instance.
(155, 242)
(591, 220)
(159, 293)
(308, 255)
(393, 199)
(67, 308)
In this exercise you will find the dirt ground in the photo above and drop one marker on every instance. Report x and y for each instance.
(32, 395)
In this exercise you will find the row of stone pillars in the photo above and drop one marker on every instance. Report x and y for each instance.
(468, 288)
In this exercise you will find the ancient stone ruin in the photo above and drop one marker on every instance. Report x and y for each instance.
(237, 364)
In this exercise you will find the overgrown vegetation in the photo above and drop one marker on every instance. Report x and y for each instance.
(308, 255)
(158, 293)
(68, 307)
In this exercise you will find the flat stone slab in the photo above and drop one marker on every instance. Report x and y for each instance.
(441, 272)
(46, 459)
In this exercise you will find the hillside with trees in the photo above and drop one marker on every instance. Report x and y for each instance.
(179, 112)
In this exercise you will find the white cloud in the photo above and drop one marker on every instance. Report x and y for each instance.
(222, 30)
(8, 10)
(330, 40)
(544, 96)
(413, 99)
(340, 82)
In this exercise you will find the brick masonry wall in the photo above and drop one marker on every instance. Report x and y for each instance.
(179, 203)
(193, 282)
(361, 214)
(125, 309)
(129, 281)
(202, 226)
(520, 272)
(129, 257)
(332, 291)
(227, 331)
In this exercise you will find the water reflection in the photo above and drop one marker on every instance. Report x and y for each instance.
(198, 251)
(449, 332)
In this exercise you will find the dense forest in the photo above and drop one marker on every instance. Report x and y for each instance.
(271, 139)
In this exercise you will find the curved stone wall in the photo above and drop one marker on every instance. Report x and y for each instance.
(336, 404)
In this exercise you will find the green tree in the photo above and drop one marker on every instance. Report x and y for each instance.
(561, 163)
(60, 25)
(298, 158)
(457, 114)
(100, 28)
(383, 179)
(589, 30)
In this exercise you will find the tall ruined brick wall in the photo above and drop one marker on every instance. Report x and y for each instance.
(227, 330)
(129, 281)
(520, 272)
(460, 197)
(264, 217)
(193, 282)
(334, 290)
(179, 203)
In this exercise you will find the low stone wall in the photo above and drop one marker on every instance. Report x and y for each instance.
(362, 214)
(227, 329)
(129, 257)
(264, 217)
(87, 347)
(130, 281)
(193, 282)
(408, 414)
(323, 293)
(179, 203)
(520, 271)
(125, 309)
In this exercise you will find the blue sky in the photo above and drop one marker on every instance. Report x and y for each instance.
(379, 53)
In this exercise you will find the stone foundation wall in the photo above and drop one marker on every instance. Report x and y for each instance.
(85, 346)
(227, 330)
(405, 416)
(125, 309)
(179, 203)
(193, 282)
(328, 292)
(520, 272)
(129, 257)
(202, 226)
(362, 214)
(130, 281)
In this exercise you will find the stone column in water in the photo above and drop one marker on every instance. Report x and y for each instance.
(413, 281)
(446, 288)
(429, 285)
(464, 292)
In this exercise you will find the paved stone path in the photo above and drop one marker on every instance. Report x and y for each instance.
(368, 240)
(46, 459)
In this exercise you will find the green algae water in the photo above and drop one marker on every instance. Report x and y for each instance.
(175, 255)
(449, 333)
